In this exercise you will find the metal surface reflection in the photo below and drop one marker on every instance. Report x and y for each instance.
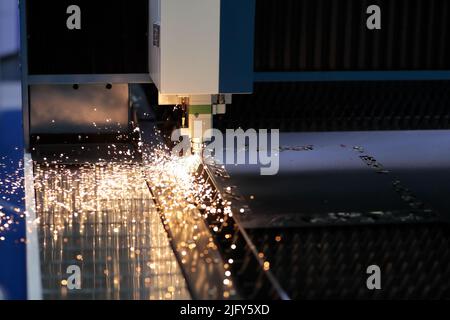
(102, 218)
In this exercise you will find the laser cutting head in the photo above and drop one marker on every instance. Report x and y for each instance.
(201, 52)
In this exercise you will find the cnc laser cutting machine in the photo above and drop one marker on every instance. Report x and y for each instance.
(363, 151)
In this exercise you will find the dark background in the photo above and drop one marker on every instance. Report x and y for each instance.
(329, 35)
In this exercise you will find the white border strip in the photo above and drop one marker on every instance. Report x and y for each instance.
(34, 284)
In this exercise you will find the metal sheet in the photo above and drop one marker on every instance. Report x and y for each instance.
(402, 177)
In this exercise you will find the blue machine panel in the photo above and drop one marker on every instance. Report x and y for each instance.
(236, 46)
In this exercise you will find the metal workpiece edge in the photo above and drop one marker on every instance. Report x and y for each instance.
(219, 178)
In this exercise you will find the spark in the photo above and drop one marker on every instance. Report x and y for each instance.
(68, 200)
